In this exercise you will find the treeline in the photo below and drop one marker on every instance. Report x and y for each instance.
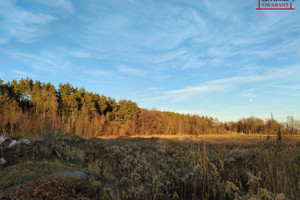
(34, 108)
(254, 125)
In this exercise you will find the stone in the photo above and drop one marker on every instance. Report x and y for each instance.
(3, 138)
(73, 174)
(2, 161)
(24, 140)
(13, 143)
(57, 153)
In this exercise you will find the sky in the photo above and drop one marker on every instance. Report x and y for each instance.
(218, 58)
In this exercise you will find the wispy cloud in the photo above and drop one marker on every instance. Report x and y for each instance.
(22, 74)
(65, 4)
(151, 39)
(161, 57)
(85, 54)
(191, 91)
(152, 89)
(224, 84)
(81, 54)
(3, 40)
(294, 87)
(131, 71)
(23, 25)
(247, 93)
(44, 61)
(96, 72)
(100, 82)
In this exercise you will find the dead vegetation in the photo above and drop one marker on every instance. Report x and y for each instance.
(157, 168)
(44, 188)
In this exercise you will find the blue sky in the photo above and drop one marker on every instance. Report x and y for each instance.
(218, 58)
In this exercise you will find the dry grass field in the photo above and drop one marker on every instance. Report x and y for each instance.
(159, 167)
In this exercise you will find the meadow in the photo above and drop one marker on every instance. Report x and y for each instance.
(208, 167)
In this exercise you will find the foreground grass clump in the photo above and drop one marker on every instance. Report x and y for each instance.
(154, 168)
(28, 170)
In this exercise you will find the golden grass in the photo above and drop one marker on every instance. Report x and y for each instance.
(230, 141)
(204, 137)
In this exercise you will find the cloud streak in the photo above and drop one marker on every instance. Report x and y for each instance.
(21, 74)
(20, 24)
(225, 84)
(131, 71)
(65, 4)
(247, 93)
(96, 72)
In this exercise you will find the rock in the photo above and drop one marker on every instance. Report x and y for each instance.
(25, 141)
(13, 143)
(3, 138)
(57, 153)
(2, 161)
(73, 174)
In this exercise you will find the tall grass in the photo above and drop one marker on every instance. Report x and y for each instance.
(156, 168)
(207, 168)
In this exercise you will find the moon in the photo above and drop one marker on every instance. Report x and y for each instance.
(251, 100)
